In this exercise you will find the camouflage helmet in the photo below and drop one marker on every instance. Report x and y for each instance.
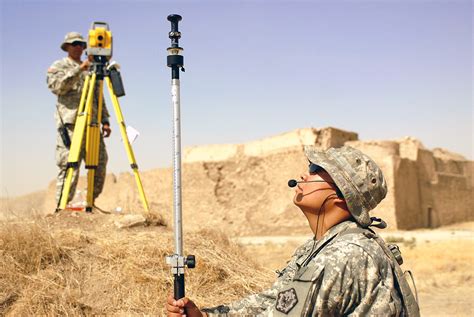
(72, 37)
(356, 175)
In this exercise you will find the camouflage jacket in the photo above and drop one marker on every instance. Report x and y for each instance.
(65, 79)
(339, 275)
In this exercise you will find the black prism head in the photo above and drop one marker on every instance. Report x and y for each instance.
(174, 34)
(174, 18)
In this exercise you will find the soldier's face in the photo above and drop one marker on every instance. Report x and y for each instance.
(309, 197)
(75, 50)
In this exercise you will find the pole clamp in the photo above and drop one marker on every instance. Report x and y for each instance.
(179, 262)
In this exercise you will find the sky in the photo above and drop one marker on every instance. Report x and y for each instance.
(384, 69)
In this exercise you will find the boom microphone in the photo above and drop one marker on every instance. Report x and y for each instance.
(294, 182)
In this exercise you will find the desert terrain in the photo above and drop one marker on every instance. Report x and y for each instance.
(239, 222)
(73, 263)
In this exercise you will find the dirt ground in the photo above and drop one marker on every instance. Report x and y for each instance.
(61, 264)
(78, 264)
(441, 260)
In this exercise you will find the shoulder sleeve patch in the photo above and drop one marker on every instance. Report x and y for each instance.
(286, 300)
(52, 70)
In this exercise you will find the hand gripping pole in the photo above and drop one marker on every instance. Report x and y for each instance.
(175, 61)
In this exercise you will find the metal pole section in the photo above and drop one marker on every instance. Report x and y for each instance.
(175, 61)
(178, 225)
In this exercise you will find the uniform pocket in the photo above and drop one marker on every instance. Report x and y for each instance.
(308, 273)
(299, 297)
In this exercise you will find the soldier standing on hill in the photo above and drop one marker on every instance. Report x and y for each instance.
(346, 269)
(65, 79)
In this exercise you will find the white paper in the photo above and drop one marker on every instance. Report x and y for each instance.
(132, 134)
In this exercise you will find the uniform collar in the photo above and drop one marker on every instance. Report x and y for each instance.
(72, 61)
(334, 230)
(325, 239)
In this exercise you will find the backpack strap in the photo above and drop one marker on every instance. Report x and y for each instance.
(410, 304)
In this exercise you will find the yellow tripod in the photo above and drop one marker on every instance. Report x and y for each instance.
(88, 126)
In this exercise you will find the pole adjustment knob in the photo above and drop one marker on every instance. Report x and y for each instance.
(174, 34)
(191, 261)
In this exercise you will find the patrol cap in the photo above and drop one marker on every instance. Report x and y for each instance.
(356, 175)
(72, 37)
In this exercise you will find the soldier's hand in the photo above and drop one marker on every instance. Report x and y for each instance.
(106, 131)
(176, 308)
(85, 65)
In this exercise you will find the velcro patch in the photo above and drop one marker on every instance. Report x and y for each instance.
(52, 70)
(286, 300)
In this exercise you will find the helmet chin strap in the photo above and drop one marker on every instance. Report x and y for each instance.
(322, 210)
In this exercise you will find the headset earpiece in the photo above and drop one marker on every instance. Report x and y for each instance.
(339, 193)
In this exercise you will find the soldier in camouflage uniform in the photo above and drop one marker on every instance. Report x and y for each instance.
(346, 269)
(65, 78)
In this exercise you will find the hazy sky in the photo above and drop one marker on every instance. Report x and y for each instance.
(384, 69)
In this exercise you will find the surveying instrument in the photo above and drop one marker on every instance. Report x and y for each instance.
(175, 61)
(87, 125)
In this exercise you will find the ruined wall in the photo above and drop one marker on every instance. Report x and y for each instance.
(426, 189)
(243, 195)
(242, 188)
(323, 138)
(445, 185)
(407, 195)
(452, 192)
(426, 174)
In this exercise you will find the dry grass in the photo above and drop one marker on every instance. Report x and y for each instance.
(55, 271)
(78, 264)
(443, 264)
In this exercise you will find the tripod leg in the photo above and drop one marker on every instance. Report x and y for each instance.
(80, 109)
(126, 142)
(83, 113)
(92, 147)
